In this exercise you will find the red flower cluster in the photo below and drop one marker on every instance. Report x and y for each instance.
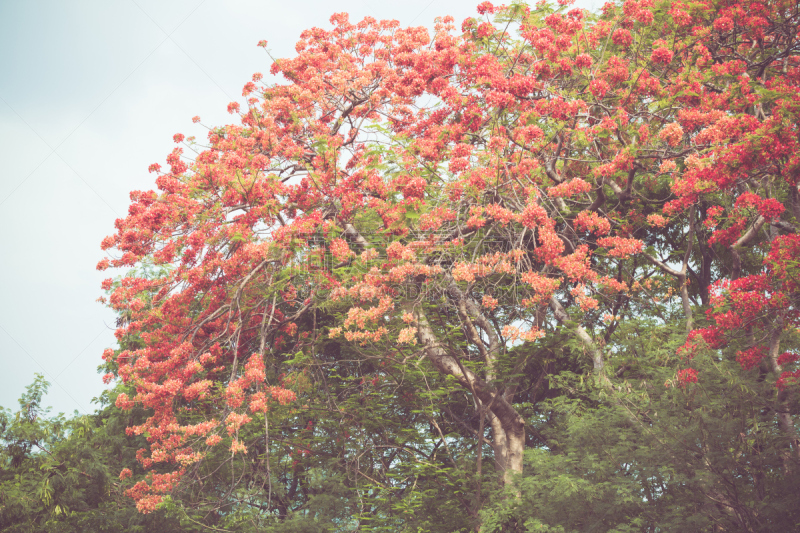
(686, 376)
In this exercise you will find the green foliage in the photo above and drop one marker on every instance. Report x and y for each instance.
(59, 474)
(647, 455)
(653, 455)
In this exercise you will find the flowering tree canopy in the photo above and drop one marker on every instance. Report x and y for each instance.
(457, 201)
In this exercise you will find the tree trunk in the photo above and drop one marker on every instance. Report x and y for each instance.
(508, 427)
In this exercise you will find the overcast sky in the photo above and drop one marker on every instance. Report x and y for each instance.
(91, 93)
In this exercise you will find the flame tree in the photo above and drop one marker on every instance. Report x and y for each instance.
(432, 216)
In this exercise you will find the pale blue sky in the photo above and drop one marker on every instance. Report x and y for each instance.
(91, 94)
